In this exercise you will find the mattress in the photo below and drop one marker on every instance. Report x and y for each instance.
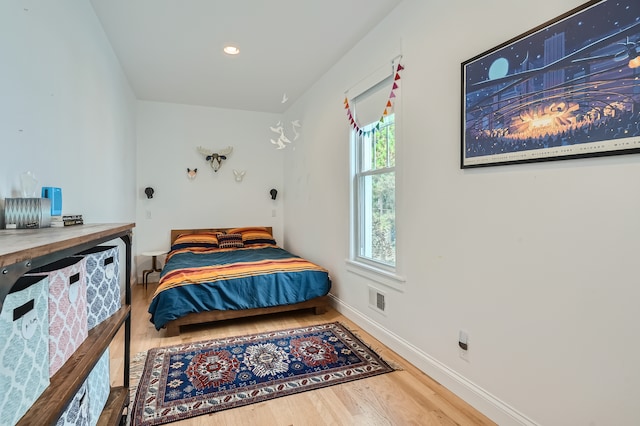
(200, 279)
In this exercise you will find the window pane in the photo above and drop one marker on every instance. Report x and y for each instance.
(391, 140)
(386, 143)
(377, 215)
(377, 149)
(367, 152)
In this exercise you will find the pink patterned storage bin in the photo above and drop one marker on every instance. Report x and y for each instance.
(67, 309)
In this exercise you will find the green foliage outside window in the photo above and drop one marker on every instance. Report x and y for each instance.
(378, 239)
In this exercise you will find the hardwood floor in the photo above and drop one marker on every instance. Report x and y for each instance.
(403, 397)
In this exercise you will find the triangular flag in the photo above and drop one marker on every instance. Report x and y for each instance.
(386, 112)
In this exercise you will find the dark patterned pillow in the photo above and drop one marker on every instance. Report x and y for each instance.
(254, 236)
(230, 241)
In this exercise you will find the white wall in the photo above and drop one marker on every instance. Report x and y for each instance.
(168, 135)
(537, 261)
(66, 109)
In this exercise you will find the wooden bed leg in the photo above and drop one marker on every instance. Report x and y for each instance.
(172, 330)
(319, 310)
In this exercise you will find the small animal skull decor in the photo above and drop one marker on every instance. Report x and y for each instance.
(215, 158)
(239, 174)
(192, 173)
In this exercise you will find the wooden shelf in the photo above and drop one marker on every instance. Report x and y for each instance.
(112, 413)
(66, 382)
(17, 245)
(24, 249)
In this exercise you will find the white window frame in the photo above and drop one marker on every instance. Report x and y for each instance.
(362, 238)
(388, 275)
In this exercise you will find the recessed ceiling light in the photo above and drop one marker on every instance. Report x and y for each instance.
(231, 50)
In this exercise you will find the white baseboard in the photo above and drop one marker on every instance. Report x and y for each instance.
(491, 406)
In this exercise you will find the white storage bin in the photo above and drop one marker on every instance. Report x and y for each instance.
(103, 283)
(77, 412)
(99, 386)
(24, 352)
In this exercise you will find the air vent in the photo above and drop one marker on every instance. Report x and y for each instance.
(380, 301)
(377, 299)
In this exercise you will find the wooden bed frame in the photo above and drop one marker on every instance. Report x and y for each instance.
(318, 304)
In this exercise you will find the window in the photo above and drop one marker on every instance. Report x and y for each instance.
(374, 180)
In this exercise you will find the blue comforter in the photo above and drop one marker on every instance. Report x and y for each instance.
(201, 280)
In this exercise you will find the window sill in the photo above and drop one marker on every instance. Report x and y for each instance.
(387, 278)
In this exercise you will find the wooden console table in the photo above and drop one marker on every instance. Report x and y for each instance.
(24, 249)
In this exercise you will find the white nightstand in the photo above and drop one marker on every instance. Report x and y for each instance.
(154, 265)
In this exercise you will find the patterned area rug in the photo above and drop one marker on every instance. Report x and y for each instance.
(188, 380)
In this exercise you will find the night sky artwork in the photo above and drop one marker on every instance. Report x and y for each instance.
(568, 89)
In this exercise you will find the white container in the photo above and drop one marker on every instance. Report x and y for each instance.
(99, 386)
(103, 283)
(77, 412)
(24, 352)
(24, 213)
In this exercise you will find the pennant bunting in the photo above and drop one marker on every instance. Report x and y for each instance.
(352, 120)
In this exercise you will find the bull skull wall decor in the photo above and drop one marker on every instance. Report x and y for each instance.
(215, 158)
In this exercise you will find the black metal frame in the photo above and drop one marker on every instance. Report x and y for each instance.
(562, 90)
(9, 274)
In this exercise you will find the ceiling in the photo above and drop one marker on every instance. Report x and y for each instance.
(171, 50)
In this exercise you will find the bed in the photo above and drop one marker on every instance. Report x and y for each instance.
(217, 274)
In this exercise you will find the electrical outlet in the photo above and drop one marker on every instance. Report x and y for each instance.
(148, 214)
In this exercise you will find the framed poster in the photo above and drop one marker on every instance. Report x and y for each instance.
(569, 88)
